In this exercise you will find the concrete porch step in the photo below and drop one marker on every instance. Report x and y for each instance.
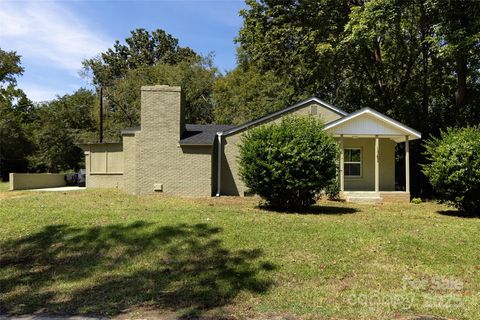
(362, 197)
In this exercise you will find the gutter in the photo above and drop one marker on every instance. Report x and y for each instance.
(219, 163)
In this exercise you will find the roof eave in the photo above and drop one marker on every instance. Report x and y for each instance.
(191, 144)
(87, 145)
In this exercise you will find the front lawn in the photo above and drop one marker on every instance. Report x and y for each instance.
(104, 252)
(3, 186)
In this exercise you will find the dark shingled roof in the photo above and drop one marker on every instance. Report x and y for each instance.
(194, 134)
(202, 134)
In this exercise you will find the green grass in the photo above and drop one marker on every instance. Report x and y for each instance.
(3, 186)
(104, 252)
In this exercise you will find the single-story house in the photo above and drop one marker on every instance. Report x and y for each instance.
(167, 155)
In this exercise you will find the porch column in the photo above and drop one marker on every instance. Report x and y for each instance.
(377, 166)
(341, 170)
(407, 165)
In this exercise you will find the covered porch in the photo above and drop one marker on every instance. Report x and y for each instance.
(368, 141)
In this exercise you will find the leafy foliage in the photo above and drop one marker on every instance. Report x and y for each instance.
(141, 49)
(333, 190)
(10, 67)
(57, 130)
(289, 163)
(457, 36)
(416, 200)
(454, 170)
(15, 113)
(246, 93)
(295, 39)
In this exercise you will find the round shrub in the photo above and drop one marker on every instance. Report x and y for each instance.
(288, 163)
(454, 168)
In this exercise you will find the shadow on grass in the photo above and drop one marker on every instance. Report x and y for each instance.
(109, 269)
(317, 209)
(459, 214)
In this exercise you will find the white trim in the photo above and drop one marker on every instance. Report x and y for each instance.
(377, 164)
(378, 115)
(353, 162)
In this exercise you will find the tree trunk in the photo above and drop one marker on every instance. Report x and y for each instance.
(461, 92)
(425, 71)
(378, 67)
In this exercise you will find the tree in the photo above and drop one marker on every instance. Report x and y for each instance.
(141, 49)
(246, 93)
(10, 67)
(289, 163)
(296, 40)
(15, 144)
(457, 33)
(454, 168)
(57, 130)
(15, 112)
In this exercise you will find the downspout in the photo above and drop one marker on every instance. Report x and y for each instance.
(219, 163)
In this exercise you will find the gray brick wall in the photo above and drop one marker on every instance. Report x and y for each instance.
(110, 181)
(158, 157)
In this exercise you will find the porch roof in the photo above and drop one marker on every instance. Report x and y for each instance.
(368, 122)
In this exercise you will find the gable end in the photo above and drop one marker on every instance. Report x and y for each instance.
(314, 101)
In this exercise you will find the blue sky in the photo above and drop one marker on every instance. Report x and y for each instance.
(53, 37)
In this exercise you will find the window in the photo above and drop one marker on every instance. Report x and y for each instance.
(352, 162)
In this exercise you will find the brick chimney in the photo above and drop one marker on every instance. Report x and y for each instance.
(163, 111)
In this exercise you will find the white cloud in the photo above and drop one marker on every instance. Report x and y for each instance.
(48, 33)
(38, 93)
